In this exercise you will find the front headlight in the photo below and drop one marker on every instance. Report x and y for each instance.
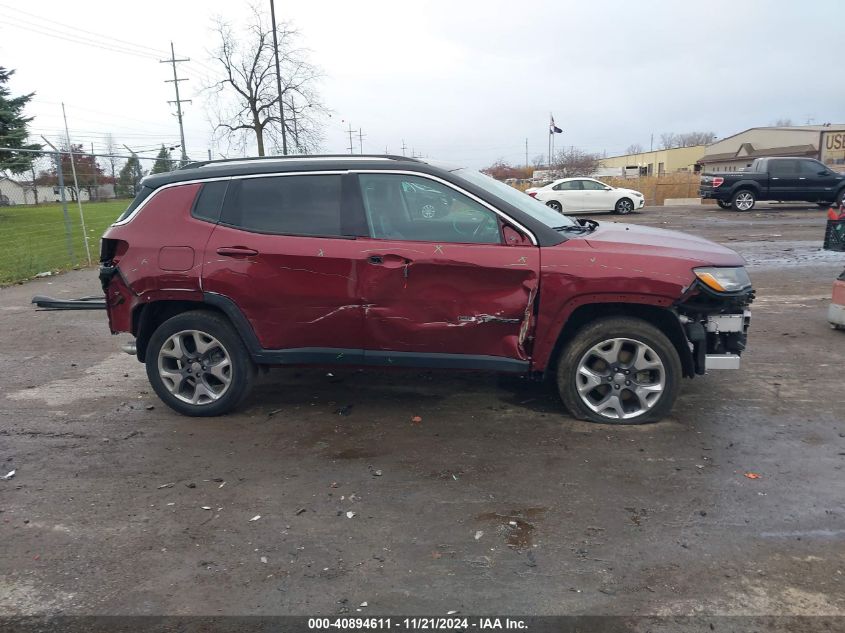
(637, 193)
(724, 279)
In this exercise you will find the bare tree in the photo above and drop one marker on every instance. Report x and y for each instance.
(539, 161)
(670, 140)
(634, 148)
(575, 162)
(246, 100)
(784, 122)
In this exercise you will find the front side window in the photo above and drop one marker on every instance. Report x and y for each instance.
(413, 208)
(286, 205)
(812, 168)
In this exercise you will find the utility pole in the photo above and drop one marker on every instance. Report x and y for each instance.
(404, 147)
(651, 143)
(350, 130)
(279, 78)
(295, 128)
(61, 183)
(526, 151)
(360, 141)
(76, 186)
(96, 187)
(173, 61)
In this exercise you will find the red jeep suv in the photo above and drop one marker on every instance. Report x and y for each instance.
(386, 261)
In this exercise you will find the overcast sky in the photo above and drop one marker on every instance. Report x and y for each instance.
(464, 81)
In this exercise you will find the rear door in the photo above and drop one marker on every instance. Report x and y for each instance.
(453, 290)
(287, 257)
(570, 195)
(784, 179)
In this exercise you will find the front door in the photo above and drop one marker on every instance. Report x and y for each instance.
(597, 197)
(444, 289)
(820, 183)
(285, 255)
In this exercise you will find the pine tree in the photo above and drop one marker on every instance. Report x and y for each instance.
(163, 161)
(130, 177)
(13, 128)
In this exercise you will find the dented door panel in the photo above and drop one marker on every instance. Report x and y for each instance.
(424, 297)
(295, 291)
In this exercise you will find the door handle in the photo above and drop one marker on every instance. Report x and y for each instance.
(389, 261)
(236, 251)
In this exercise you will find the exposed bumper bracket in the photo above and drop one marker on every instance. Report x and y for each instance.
(85, 303)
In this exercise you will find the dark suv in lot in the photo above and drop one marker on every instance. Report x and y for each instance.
(225, 266)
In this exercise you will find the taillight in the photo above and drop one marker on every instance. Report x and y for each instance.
(717, 181)
(533, 194)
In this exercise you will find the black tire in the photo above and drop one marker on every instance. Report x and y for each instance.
(633, 331)
(840, 198)
(723, 204)
(624, 206)
(738, 202)
(824, 205)
(554, 204)
(241, 369)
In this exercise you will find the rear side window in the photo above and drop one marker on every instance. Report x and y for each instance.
(143, 193)
(286, 205)
(209, 202)
(783, 168)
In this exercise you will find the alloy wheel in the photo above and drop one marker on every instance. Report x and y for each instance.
(620, 378)
(195, 367)
(624, 206)
(744, 201)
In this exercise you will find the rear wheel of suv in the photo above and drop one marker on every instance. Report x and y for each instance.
(619, 370)
(723, 204)
(743, 200)
(198, 365)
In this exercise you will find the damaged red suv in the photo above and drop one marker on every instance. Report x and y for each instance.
(387, 261)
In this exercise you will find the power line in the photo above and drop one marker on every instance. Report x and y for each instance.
(173, 61)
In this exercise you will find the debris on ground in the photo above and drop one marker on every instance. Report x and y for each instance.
(9, 475)
(221, 485)
(300, 511)
(416, 419)
(206, 507)
(363, 604)
(479, 534)
(752, 476)
(344, 410)
(350, 514)
(255, 518)
(452, 612)
(191, 485)
(264, 559)
(47, 273)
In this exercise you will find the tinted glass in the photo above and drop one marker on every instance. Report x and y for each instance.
(783, 167)
(592, 185)
(569, 185)
(811, 168)
(286, 205)
(417, 209)
(210, 201)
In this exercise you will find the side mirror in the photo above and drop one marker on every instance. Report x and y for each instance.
(824, 172)
(608, 188)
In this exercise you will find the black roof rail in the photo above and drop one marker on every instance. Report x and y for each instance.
(223, 161)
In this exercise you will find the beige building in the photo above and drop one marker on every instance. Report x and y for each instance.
(661, 161)
(736, 152)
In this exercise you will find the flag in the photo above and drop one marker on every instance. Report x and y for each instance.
(553, 129)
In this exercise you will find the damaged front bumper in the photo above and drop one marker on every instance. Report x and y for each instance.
(716, 326)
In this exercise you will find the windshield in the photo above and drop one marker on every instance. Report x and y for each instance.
(521, 201)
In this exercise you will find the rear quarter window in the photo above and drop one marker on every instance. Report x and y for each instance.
(209, 202)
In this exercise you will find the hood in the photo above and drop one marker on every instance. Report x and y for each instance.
(643, 240)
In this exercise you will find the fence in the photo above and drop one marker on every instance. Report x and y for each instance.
(44, 221)
(657, 188)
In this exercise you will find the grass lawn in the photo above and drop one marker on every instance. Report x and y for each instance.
(33, 238)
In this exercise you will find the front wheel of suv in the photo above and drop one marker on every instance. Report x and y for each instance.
(619, 370)
(198, 365)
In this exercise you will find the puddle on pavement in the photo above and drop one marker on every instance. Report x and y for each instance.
(515, 525)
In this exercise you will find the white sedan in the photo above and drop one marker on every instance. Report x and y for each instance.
(569, 195)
